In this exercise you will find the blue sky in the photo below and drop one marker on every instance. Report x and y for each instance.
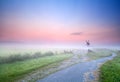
(100, 10)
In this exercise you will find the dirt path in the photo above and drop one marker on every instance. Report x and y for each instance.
(76, 73)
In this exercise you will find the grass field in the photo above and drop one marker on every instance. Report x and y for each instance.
(110, 71)
(98, 53)
(15, 62)
(12, 71)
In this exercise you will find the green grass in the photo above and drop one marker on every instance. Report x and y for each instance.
(13, 71)
(110, 71)
(99, 53)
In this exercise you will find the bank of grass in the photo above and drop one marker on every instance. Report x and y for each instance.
(98, 53)
(13, 71)
(110, 71)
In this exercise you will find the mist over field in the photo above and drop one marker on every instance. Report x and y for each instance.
(59, 40)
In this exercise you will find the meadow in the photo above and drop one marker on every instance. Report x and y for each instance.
(99, 53)
(110, 71)
(15, 63)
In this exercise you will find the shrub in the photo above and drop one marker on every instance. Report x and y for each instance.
(49, 53)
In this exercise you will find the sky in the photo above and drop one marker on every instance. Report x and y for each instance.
(60, 21)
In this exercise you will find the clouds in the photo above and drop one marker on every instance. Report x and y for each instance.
(76, 33)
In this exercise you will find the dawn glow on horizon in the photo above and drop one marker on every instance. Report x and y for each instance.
(60, 21)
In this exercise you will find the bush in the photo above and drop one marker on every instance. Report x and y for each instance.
(36, 55)
(49, 53)
(14, 58)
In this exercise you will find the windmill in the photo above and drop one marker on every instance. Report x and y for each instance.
(87, 42)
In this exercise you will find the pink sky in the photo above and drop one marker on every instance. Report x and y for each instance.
(50, 32)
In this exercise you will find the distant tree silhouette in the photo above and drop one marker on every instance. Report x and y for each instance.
(87, 42)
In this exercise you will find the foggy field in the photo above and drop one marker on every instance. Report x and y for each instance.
(39, 38)
(18, 62)
(8, 51)
(99, 53)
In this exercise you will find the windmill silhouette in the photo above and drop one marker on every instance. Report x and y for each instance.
(87, 42)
